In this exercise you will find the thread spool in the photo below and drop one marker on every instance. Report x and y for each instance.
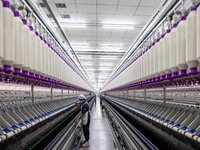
(26, 49)
(32, 48)
(1, 34)
(8, 38)
(191, 41)
(37, 50)
(181, 44)
(198, 34)
(18, 26)
(173, 51)
(160, 54)
(166, 60)
(156, 67)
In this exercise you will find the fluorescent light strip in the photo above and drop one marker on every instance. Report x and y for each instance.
(118, 27)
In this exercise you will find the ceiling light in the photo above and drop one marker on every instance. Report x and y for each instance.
(115, 26)
(100, 69)
(119, 45)
(73, 25)
(107, 63)
(114, 48)
(112, 58)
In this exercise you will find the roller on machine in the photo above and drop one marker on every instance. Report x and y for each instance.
(147, 61)
(148, 44)
(32, 47)
(18, 26)
(181, 43)
(48, 49)
(1, 34)
(45, 48)
(160, 54)
(52, 59)
(152, 57)
(144, 64)
(26, 49)
(198, 36)
(156, 72)
(191, 40)
(37, 50)
(8, 38)
(166, 60)
(173, 48)
(41, 51)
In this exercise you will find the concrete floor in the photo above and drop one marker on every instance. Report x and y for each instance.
(101, 137)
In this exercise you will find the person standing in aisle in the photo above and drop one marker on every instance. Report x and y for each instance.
(85, 117)
(102, 105)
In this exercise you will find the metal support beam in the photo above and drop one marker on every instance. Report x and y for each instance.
(164, 94)
(51, 93)
(62, 93)
(145, 94)
(32, 93)
(68, 93)
(134, 94)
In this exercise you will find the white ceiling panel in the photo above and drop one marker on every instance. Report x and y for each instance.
(129, 2)
(105, 18)
(87, 17)
(107, 2)
(103, 34)
(86, 8)
(154, 3)
(140, 19)
(89, 33)
(124, 19)
(126, 10)
(146, 11)
(78, 39)
(117, 35)
(133, 31)
(89, 29)
(63, 1)
(106, 9)
(89, 38)
(128, 40)
(130, 35)
(116, 40)
(85, 1)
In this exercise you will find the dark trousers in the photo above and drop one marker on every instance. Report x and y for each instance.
(86, 131)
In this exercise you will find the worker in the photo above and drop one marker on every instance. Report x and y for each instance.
(85, 117)
(102, 105)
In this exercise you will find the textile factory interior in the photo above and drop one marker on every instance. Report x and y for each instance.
(100, 74)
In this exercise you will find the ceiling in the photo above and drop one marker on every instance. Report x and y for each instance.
(100, 31)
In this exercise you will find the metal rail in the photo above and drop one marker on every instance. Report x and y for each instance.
(61, 138)
(70, 136)
(134, 138)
